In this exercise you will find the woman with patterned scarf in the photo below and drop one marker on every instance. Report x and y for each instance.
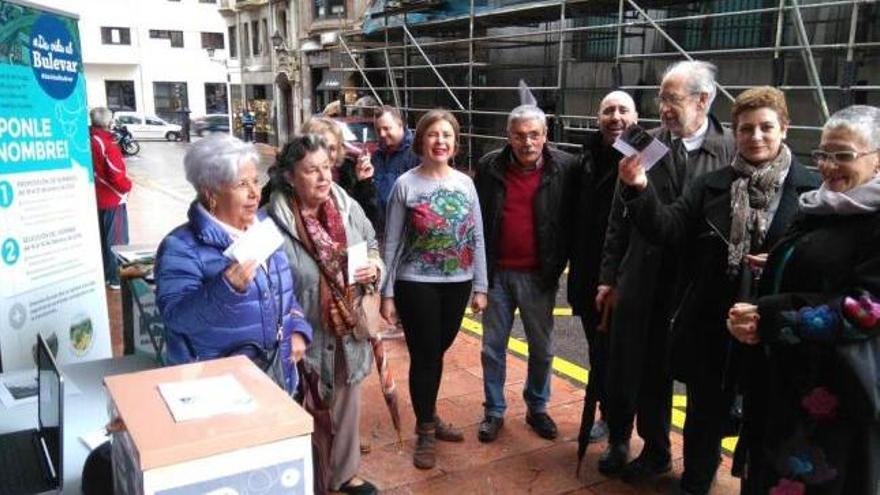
(812, 412)
(320, 223)
(724, 223)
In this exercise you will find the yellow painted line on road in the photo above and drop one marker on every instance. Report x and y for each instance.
(564, 367)
(556, 312)
(582, 375)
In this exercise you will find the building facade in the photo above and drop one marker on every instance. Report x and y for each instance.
(151, 56)
(321, 22)
(262, 64)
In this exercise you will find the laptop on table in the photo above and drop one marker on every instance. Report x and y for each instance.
(31, 460)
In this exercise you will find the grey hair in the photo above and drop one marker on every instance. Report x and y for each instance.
(700, 76)
(101, 117)
(863, 120)
(216, 160)
(526, 112)
(618, 95)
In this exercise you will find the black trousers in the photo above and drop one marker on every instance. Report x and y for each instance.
(645, 394)
(431, 314)
(708, 414)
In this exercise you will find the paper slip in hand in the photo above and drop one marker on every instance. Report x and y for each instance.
(206, 397)
(257, 243)
(357, 258)
(635, 141)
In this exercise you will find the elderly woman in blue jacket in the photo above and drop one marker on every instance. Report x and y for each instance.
(212, 304)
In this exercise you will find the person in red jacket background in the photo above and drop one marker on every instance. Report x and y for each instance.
(111, 188)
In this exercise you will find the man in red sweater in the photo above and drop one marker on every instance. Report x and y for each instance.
(111, 188)
(526, 196)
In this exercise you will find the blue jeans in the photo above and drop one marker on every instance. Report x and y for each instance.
(113, 225)
(511, 290)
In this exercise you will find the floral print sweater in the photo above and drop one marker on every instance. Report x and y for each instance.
(434, 231)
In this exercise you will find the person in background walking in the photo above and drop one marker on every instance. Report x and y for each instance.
(248, 122)
(112, 186)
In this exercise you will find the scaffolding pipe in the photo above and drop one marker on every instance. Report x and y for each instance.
(390, 74)
(576, 117)
(420, 66)
(363, 75)
(590, 89)
(559, 58)
(458, 88)
(436, 72)
(810, 62)
(781, 87)
(470, 116)
(621, 8)
(760, 49)
(498, 66)
(673, 43)
(853, 26)
(668, 20)
(780, 23)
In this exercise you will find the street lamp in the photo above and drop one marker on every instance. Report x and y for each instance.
(211, 51)
(278, 42)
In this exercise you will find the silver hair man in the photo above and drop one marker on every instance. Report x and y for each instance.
(524, 113)
(101, 117)
(214, 161)
(700, 77)
(862, 120)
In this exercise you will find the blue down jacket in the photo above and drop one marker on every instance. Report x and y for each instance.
(204, 316)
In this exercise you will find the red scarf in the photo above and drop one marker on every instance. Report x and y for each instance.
(324, 236)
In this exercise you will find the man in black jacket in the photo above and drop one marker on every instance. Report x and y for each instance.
(598, 178)
(647, 278)
(525, 192)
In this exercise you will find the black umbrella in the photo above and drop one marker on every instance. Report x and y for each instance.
(588, 415)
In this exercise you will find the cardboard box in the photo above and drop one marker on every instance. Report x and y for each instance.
(267, 450)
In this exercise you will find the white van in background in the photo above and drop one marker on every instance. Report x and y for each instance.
(148, 126)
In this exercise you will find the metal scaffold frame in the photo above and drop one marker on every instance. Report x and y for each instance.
(556, 25)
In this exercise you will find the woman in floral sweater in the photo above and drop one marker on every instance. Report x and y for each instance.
(812, 406)
(435, 257)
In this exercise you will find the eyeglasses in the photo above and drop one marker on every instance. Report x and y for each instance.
(672, 100)
(844, 157)
(523, 137)
(251, 184)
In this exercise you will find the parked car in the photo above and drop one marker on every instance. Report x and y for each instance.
(144, 126)
(211, 123)
(358, 133)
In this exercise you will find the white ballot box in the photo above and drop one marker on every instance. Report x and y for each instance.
(246, 435)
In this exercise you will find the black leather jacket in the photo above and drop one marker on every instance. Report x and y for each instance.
(552, 209)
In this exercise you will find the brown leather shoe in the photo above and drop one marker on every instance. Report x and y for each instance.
(446, 432)
(425, 456)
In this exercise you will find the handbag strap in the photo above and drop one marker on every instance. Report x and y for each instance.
(279, 332)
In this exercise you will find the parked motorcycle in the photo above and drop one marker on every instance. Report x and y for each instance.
(125, 140)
